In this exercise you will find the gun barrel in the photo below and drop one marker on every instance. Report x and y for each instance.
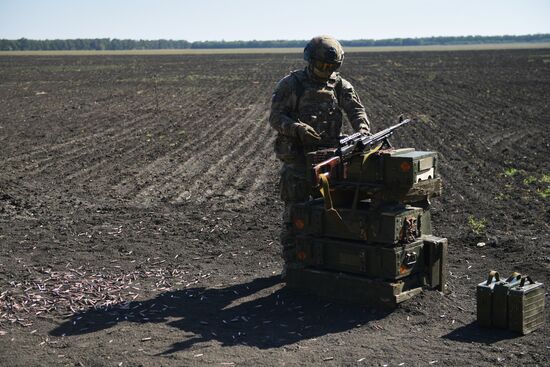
(383, 134)
(349, 144)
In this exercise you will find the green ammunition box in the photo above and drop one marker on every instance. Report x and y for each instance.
(526, 306)
(353, 288)
(396, 174)
(372, 169)
(401, 261)
(397, 224)
(484, 299)
(358, 258)
(347, 256)
(388, 225)
(406, 169)
(308, 217)
(500, 300)
(419, 192)
(309, 252)
(436, 249)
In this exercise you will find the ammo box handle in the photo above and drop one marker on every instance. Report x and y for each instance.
(493, 273)
(515, 276)
(410, 258)
(522, 283)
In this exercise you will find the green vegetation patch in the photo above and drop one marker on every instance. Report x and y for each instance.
(423, 118)
(511, 172)
(477, 225)
(529, 180)
(539, 185)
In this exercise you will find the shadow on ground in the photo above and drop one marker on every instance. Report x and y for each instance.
(260, 313)
(477, 334)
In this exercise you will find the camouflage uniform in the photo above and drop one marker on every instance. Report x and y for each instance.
(301, 97)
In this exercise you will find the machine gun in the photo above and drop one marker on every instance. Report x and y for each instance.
(354, 144)
(359, 142)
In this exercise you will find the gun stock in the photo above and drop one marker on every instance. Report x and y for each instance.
(330, 168)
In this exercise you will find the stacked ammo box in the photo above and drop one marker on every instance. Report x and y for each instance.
(369, 237)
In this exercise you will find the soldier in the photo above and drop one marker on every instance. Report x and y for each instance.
(306, 111)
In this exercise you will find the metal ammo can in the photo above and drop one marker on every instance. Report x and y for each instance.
(484, 298)
(500, 300)
(526, 306)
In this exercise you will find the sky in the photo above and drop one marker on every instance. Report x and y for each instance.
(200, 20)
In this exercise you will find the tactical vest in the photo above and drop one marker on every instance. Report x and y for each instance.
(317, 105)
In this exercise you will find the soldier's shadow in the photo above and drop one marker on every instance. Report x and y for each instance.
(261, 313)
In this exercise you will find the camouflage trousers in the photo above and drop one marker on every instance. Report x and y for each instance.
(294, 189)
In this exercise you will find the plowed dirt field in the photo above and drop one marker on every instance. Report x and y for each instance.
(145, 187)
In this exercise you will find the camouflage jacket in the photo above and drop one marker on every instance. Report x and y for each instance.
(299, 97)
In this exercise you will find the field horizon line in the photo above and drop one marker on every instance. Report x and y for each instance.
(290, 50)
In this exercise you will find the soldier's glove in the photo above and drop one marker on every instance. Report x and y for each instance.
(307, 134)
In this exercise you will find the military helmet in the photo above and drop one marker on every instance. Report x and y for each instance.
(324, 52)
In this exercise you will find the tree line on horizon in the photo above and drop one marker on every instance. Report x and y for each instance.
(100, 44)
